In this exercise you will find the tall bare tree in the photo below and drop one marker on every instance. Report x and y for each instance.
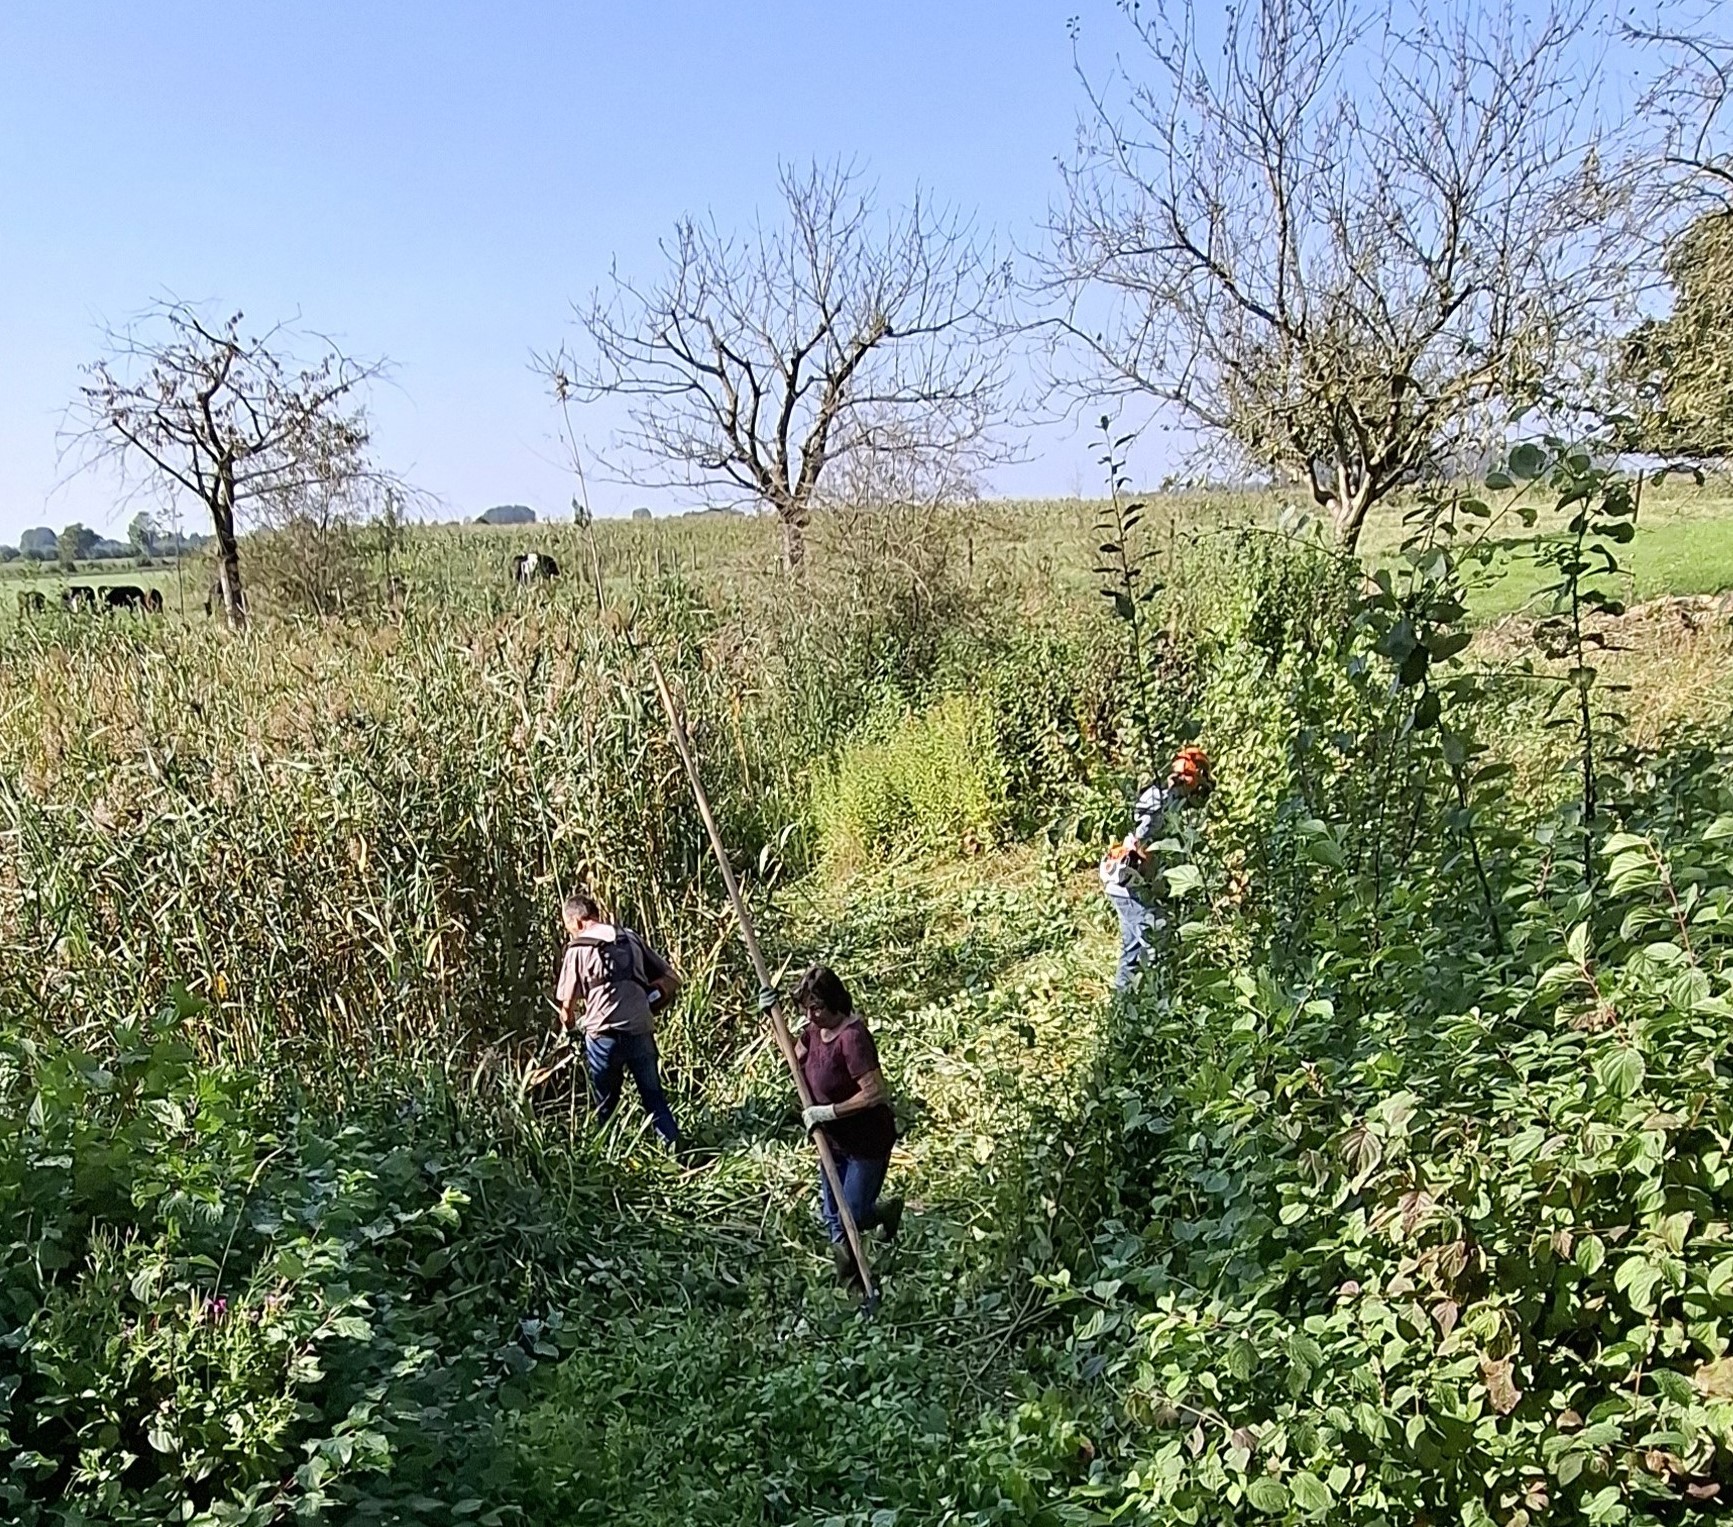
(182, 403)
(758, 364)
(1342, 250)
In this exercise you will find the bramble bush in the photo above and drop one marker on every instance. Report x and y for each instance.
(1397, 1239)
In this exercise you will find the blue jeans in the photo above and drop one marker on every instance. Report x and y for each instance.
(608, 1056)
(862, 1177)
(1138, 927)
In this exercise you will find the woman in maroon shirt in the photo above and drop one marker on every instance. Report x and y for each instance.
(851, 1104)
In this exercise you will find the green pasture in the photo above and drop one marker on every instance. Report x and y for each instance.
(1674, 553)
(17, 579)
(1684, 545)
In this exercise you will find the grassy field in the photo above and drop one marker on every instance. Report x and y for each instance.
(183, 591)
(1686, 547)
(1682, 547)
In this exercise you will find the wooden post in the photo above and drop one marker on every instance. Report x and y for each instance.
(784, 1041)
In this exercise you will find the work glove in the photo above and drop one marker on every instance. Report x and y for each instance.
(768, 997)
(819, 1113)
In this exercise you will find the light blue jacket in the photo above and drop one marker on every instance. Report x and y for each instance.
(1120, 878)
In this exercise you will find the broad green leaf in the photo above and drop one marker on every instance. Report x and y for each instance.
(1591, 1253)
(1675, 1230)
(1303, 1350)
(1528, 460)
(1720, 1278)
(1673, 1386)
(1268, 1494)
(1624, 842)
(1310, 1493)
(1637, 1279)
(1183, 879)
(1620, 1071)
(1241, 1358)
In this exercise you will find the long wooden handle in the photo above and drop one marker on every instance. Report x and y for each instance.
(784, 1041)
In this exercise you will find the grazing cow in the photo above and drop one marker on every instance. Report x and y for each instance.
(32, 602)
(129, 596)
(532, 566)
(80, 596)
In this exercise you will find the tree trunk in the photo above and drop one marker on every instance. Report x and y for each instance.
(228, 549)
(1348, 511)
(793, 538)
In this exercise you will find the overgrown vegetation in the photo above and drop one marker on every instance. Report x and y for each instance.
(1397, 1191)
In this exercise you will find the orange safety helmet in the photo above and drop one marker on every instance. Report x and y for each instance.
(1191, 765)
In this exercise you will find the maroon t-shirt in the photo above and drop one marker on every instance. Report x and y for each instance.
(833, 1073)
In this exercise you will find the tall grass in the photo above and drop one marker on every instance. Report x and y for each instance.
(354, 837)
(922, 783)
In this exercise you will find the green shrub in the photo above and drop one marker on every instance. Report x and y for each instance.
(1407, 1231)
(223, 1308)
(926, 783)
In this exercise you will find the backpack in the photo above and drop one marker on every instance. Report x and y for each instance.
(618, 957)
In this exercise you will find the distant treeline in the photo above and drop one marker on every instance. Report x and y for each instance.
(76, 543)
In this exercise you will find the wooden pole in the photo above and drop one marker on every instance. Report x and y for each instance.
(784, 1041)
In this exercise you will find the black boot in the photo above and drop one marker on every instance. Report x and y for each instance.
(843, 1259)
(890, 1217)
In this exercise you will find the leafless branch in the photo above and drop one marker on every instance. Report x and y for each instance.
(1344, 250)
(183, 403)
(757, 365)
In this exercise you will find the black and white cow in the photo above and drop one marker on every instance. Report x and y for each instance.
(533, 566)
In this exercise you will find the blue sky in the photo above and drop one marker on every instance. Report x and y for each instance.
(435, 182)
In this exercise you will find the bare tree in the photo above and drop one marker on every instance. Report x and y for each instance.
(758, 364)
(1343, 250)
(1690, 103)
(181, 403)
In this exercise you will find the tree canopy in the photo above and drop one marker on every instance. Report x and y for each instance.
(1339, 249)
(1682, 365)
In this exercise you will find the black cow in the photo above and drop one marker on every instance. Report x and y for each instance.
(32, 602)
(129, 596)
(80, 596)
(532, 566)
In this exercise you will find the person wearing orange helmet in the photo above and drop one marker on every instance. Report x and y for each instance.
(1130, 881)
